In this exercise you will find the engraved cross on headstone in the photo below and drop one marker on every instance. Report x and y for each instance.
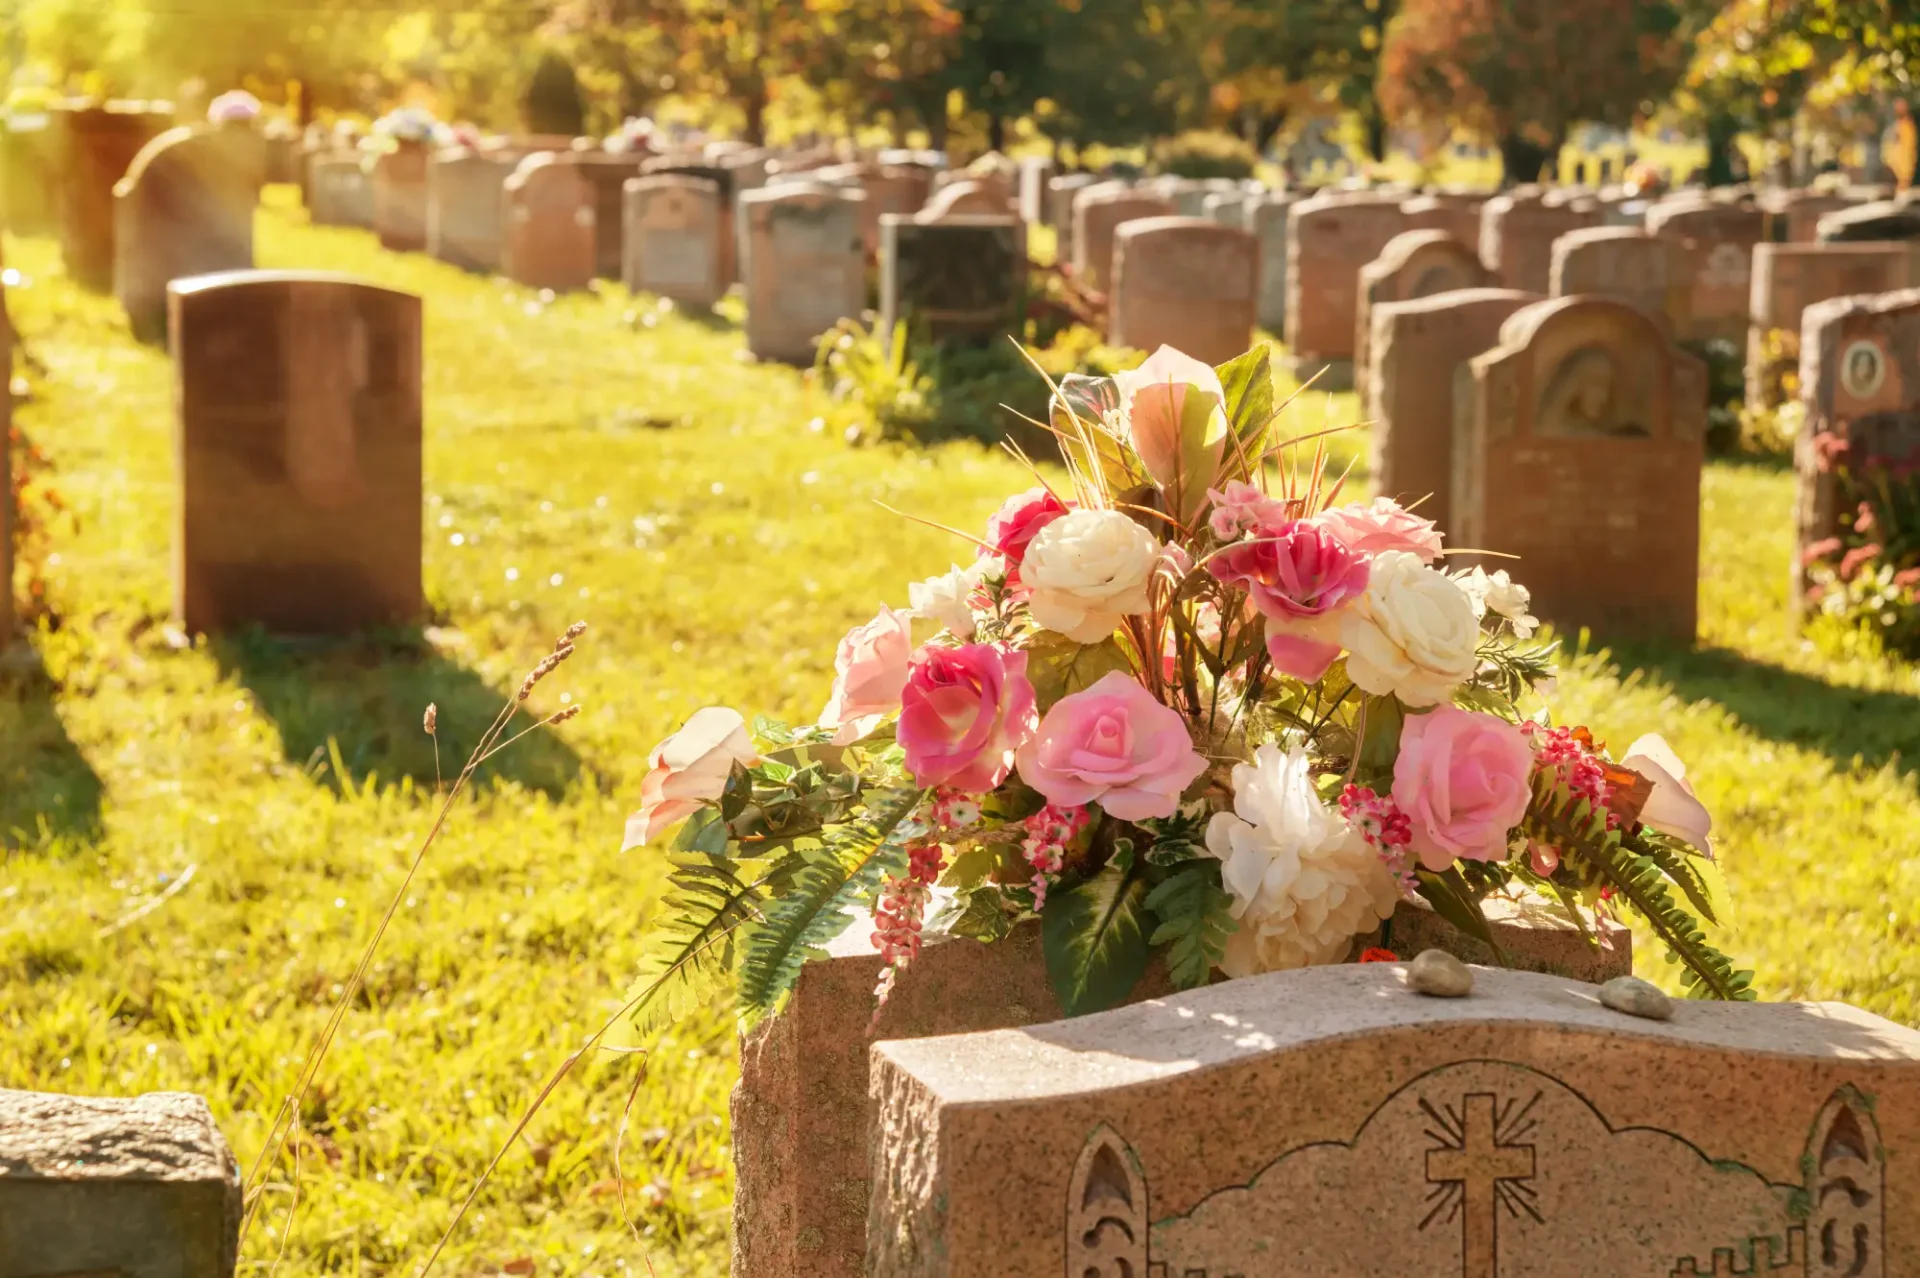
(1478, 1165)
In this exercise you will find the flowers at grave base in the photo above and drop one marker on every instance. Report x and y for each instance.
(1219, 725)
(235, 106)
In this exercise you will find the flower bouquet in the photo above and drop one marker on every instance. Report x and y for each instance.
(1178, 703)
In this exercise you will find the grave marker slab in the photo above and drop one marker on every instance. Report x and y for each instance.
(1098, 213)
(1517, 231)
(1645, 270)
(966, 199)
(1580, 451)
(1413, 264)
(805, 268)
(1332, 1122)
(550, 225)
(1457, 215)
(1865, 223)
(1721, 239)
(1329, 238)
(95, 145)
(608, 173)
(959, 279)
(1060, 196)
(731, 237)
(299, 447)
(184, 208)
(143, 1187)
(1036, 173)
(673, 239)
(1185, 282)
(1267, 219)
(1788, 278)
(400, 198)
(342, 191)
(466, 209)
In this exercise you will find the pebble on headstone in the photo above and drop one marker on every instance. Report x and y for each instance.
(141, 1188)
(550, 225)
(1635, 997)
(805, 266)
(1439, 974)
(1184, 282)
(960, 279)
(184, 208)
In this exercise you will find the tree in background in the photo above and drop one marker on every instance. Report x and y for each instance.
(1523, 71)
(887, 61)
(1265, 62)
(554, 102)
(1117, 74)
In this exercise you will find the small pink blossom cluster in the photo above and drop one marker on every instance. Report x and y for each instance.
(1049, 832)
(898, 914)
(1580, 770)
(1384, 826)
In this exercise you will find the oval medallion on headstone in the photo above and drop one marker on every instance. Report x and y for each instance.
(1863, 369)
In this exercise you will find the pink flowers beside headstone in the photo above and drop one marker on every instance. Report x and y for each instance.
(1115, 745)
(964, 713)
(1464, 781)
(869, 670)
(1380, 526)
(689, 770)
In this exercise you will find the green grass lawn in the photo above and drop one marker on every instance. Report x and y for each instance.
(632, 470)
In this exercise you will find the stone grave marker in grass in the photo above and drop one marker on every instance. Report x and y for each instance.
(1098, 212)
(1517, 231)
(960, 279)
(1413, 264)
(1329, 238)
(805, 266)
(465, 209)
(1788, 278)
(1649, 271)
(549, 225)
(1720, 239)
(184, 208)
(672, 241)
(95, 145)
(1184, 282)
(400, 198)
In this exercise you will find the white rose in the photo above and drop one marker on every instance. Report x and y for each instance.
(1086, 570)
(945, 598)
(1304, 883)
(1413, 634)
(1500, 594)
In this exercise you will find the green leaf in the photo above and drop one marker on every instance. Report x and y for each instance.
(1455, 902)
(1248, 381)
(972, 867)
(981, 912)
(738, 792)
(1192, 909)
(1381, 745)
(1094, 936)
(704, 832)
(1057, 666)
(688, 951)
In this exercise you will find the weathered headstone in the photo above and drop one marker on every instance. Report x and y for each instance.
(1860, 384)
(1098, 212)
(109, 1188)
(1580, 451)
(959, 279)
(1414, 352)
(1060, 196)
(802, 1113)
(1649, 271)
(95, 145)
(1721, 239)
(1788, 278)
(1517, 231)
(805, 267)
(1866, 223)
(1457, 215)
(1184, 282)
(1413, 264)
(184, 208)
(1267, 219)
(342, 190)
(1333, 1121)
(400, 198)
(608, 173)
(465, 209)
(1036, 172)
(1797, 214)
(549, 213)
(732, 237)
(966, 199)
(1329, 238)
(673, 239)
(299, 447)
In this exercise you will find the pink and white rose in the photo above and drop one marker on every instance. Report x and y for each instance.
(869, 670)
(1464, 780)
(688, 771)
(1412, 634)
(1114, 745)
(963, 714)
(1086, 571)
(1018, 520)
(1382, 525)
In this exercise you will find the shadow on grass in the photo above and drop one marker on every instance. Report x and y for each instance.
(1787, 706)
(366, 697)
(48, 791)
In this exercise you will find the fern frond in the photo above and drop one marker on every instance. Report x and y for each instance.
(689, 951)
(1194, 922)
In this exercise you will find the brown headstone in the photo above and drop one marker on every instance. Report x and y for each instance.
(1788, 278)
(805, 268)
(1860, 384)
(1098, 212)
(549, 214)
(299, 447)
(1580, 452)
(184, 208)
(1329, 238)
(1413, 264)
(1648, 271)
(340, 190)
(1267, 220)
(465, 209)
(1334, 1122)
(1721, 239)
(96, 144)
(400, 198)
(608, 173)
(1457, 215)
(1517, 231)
(673, 239)
(1415, 350)
(1184, 282)
(1802, 211)
(731, 241)
(967, 199)
(955, 280)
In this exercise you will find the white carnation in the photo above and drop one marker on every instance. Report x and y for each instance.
(1086, 570)
(945, 598)
(1413, 634)
(1304, 883)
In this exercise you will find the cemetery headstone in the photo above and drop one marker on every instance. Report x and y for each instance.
(1185, 282)
(1721, 239)
(732, 237)
(1579, 450)
(805, 267)
(1517, 231)
(1333, 1121)
(184, 208)
(1795, 215)
(1649, 271)
(1788, 278)
(673, 239)
(1267, 219)
(1098, 213)
(1329, 238)
(92, 1187)
(95, 146)
(1036, 172)
(1413, 264)
(894, 189)
(608, 174)
(1414, 353)
(1860, 384)
(550, 226)
(1861, 223)
(465, 209)
(959, 279)
(400, 198)
(342, 192)
(1457, 215)
(1060, 194)
(966, 199)
(299, 447)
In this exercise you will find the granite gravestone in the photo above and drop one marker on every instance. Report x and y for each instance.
(1413, 264)
(1578, 443)
(1060, 195)
(1098, 213)
(299, 447)
(1267, 220)
(967, 199)
(184, 208)
(1414, 353)
(608, 174)
(465, 209)
(1867, 223)
(1332, 1122)
(1721, 239)
(400, 198)
(1788, 278)
(1517, 231)
(1648, 271)
(95, 145)
(549, 215)
(1036, 171)
(805, 268)
(673, 239)
(342, 191)
(1329, 238)
(730, 238)
(1457, 215)
(1184, 282)
(959, 279)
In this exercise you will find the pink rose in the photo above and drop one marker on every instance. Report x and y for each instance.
(1293, 571)
(1300, 650)
(1382, 525)
(963, 714)
(688, 771)
(1241, 508)
(868, 672)
(1018, 519)
(1116, 745)
(1463, 780)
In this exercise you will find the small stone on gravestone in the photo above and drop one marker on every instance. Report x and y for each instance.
(300, 454)
(550, 233)
(135, 1188)
(673, 239)
(1635, 997)
(1439, 974)
(805, 266)
(184, 208)
(1320, 1121)
(1184, 282)
(960, 279)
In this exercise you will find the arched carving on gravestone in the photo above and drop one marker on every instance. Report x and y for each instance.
(1107, 1210)
(1846, 1186)
(1588, 397)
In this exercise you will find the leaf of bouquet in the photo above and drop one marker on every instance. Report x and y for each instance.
(1690, 872)
(1453, 900)
(1077, 415)
(1248, 381)
(1057, 666)
(1380, 744)
(972, 867)
(1095, 939)
(981, 913)
(688, 951)
(813, 906)
(1194, 922)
